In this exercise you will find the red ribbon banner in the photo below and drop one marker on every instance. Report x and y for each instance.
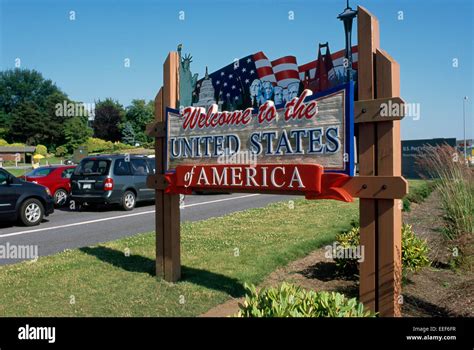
(309, 179)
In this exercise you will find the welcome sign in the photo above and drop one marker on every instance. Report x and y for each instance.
(311, 129)
(303, 146)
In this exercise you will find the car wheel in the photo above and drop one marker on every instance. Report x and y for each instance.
(32, 212)
(128, 200)
(60, 197)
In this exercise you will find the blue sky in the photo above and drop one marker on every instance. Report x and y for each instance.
(85, 57)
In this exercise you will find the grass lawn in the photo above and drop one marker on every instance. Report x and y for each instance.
(419, 191)
(51, 160)
(17, 172)
(218, 256)
(43, 162)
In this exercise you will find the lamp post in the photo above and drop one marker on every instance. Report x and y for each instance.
(347, 16)
(464, 126)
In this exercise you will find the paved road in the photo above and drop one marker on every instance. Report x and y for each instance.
(72, 229)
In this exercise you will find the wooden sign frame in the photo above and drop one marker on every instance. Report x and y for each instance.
(379, 185)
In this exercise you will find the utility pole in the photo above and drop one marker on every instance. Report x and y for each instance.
(464, 126)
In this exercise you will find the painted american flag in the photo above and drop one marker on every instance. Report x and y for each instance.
(232, 83)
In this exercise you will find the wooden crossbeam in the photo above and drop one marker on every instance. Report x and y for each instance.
(156, 129)
(369, 111)
(369, 187)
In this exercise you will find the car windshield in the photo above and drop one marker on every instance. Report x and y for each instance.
(39, 172)
(93, 167)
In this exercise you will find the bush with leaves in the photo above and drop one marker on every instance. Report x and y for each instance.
(288, 300)
(119, 146)
(414, 250)
(348, 240)
(16, 144)
(41, 149)
(418, 194)
(95, 145)
(61, 151)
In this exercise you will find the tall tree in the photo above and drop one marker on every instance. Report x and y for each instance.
(139, 114)
(21, 89)
(4, 121)
(20, 85)
(128, 134)
(27, 124)
(76, 133)
(109, 115)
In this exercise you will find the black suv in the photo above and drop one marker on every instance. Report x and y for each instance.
(22, 200)
(112, 179)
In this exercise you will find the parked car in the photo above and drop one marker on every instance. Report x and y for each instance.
(22, 200)
(112, 179)
(57, 178)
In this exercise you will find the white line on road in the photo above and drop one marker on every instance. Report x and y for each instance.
(120, 217)
(221, 200)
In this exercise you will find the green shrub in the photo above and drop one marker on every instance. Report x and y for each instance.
(414, 250)
(418, 194)
(3, 142)
(349, 239)
(148, 145)
(119, 146)
(288, 300)
(61, 151)
(406, 204)
(95, 145)
(41, 149)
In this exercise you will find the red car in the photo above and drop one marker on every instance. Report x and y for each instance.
(56, 178)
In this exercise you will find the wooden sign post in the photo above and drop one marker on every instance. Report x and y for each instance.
(168, 254)
(379, 184)
(379, 155)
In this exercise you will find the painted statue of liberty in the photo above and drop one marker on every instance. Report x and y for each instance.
(187, 81)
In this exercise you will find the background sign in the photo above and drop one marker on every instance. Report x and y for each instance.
(312, 129)
(411, 150)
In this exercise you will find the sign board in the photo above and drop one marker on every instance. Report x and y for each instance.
(79, 153)
(411, 150)
(311, 129)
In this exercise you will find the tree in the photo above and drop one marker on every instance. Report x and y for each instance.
(20, 85)
(109, 114)
(128, 134)
(55, 121)
(139, 114)
(76, 133)
(4, 121)
(23, 88)
(27, 124)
